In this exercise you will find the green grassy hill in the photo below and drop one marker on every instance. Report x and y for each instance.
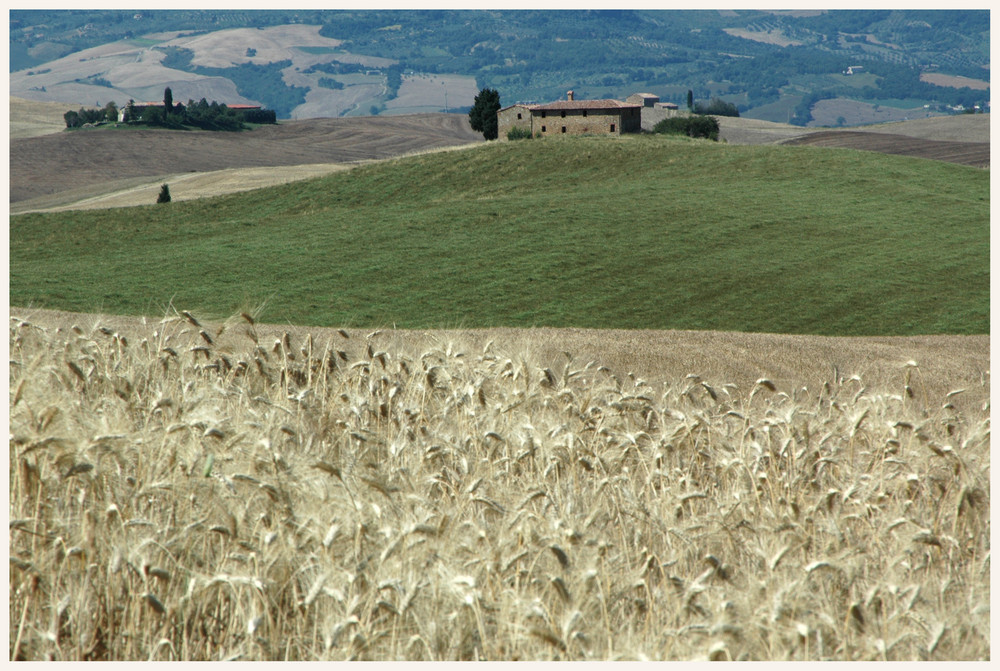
(635, 232)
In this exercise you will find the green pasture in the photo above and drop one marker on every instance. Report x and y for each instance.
(632, 232)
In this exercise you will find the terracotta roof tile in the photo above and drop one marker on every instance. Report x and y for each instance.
(586, 104)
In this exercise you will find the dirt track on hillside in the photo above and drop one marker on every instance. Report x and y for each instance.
(41, 166)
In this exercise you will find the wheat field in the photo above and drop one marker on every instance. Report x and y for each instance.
(217, 491)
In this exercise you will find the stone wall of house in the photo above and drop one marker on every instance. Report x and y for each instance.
(592, 122)
(514, 116)
(654, 115)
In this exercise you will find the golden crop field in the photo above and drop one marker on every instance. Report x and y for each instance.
(196, 491)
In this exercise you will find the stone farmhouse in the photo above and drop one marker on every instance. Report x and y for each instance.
(640, 111)
(139, 106)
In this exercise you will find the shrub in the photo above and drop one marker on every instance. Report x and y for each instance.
(519, 133)
(260, 116)
(164, 196)
(692, 126)
(717, 107)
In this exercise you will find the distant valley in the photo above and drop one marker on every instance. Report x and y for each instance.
(841, 68)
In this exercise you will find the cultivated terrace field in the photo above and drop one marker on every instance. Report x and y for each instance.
(593, 399)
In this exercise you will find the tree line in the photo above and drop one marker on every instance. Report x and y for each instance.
(201, 114)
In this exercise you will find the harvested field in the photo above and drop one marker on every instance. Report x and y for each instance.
(954, 81)
(42, 166)
(847, 113)
(957, 128)
(738, 130)
(434, 92)
(183, 186)
(777, 37)
(976, 154)
(29, 118)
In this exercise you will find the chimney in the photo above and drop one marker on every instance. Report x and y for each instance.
(569, 95)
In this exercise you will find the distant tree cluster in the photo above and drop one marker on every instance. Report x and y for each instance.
(716, 107)
(330, 83)
(393, 80)
(335, 68)
(698, 126)
(92, 116)
(201, 114)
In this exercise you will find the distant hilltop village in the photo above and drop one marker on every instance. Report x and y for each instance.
(640, 111)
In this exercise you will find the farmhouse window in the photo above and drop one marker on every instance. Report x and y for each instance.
(543, 129)
(612, 128)
(584, 112)
(543, 114)
(518, 115)
(564, 129)
(563, 115)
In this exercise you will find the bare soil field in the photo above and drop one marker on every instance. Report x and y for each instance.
(42, 166)
(30, 118)
(226, 48)
(945, 363)
(963, 139)
(45, 162)
(965, 153)
(958, 128)
(183, 186)
(433, 93)
(940, 79)
(738, 130)
(767, 36)
(847, 112)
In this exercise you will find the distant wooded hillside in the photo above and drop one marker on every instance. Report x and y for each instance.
(772, 65)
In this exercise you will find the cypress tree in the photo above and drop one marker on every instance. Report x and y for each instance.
(483, 115)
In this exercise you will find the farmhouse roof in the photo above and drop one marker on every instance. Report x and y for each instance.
(159, 103)
(586, 105)
(529, 106)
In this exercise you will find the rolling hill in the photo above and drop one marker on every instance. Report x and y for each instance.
(49, 164)
(639, 232)
(43, 174)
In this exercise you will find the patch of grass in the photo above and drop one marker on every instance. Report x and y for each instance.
(635, 232)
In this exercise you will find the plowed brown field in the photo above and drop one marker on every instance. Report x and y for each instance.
(41, 166)
(966, 153)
